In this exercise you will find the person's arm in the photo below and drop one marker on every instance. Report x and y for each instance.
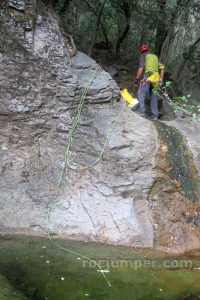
(140, 69)
(139, 72)
(162, 72)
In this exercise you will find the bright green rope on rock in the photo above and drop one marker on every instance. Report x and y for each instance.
(66, 163)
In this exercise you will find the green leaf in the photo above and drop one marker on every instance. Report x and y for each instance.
(168, 83)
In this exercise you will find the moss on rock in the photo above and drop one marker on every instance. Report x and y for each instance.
(180, 159)
(8, 292)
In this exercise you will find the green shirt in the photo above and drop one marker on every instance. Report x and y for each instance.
(150, 62)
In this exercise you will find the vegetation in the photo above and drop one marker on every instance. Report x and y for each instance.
(123, 24)
(112, 30)
(180, 104)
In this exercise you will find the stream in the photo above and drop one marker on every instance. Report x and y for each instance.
(33, 268)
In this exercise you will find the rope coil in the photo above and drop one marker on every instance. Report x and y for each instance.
(68, 146)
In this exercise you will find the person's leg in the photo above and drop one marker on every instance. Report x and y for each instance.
(144, 88)
(154, 104)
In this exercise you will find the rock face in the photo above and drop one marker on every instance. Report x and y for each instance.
(192, 133)
(41, 86)
(174, 196)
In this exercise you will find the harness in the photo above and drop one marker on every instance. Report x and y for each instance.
(153, 79)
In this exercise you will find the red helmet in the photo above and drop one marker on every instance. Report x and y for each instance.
(144, 47)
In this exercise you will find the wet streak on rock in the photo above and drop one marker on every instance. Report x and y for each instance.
(174, 195)
(180, 158)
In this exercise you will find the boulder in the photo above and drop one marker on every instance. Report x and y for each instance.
(41, 88)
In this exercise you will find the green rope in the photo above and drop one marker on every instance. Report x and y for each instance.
(68, 145)
(80, 168)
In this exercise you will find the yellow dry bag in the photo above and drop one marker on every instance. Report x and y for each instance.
(129, 99)
(154, 79)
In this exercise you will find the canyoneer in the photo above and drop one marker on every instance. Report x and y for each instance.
(153, 73)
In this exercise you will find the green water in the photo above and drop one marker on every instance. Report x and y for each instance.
(39, 270)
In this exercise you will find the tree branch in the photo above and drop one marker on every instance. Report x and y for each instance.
(126, 8)
(102, 26)
(97, 25)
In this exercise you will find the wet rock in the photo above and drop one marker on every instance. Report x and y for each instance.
(175, 194)
(191, 131)
(190, 296)
(7, 291)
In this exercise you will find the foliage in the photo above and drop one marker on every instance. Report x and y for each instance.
(179, 103)
(148, 21)
(146, 17)
(113, 35)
